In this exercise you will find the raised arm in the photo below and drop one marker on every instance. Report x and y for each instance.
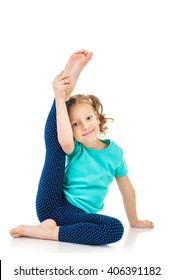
(129, 199)
(64, 130)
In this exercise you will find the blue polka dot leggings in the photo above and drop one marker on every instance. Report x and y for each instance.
(76, 226)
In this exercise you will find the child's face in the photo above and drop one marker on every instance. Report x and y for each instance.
(85, 124)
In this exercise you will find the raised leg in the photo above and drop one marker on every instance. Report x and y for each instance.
(50, 190)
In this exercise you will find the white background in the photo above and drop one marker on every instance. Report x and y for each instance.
(131, 72)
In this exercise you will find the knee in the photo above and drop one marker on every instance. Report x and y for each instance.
(115, 230)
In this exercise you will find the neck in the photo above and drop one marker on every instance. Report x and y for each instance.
(96, 145)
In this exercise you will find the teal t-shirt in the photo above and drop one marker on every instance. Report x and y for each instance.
(89, 173)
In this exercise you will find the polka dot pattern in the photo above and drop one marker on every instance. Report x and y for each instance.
(76, 226)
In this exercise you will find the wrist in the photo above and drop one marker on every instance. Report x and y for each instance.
(59, 99)
(134, 223)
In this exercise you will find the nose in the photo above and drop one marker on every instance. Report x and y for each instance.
(85, 126)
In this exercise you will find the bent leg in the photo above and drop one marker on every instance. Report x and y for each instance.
(76, 226)
(88, 229)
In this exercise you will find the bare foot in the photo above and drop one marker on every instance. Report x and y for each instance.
(75, 65)
(46, 230)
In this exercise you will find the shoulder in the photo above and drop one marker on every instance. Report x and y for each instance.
(113, 146)
(76, 149)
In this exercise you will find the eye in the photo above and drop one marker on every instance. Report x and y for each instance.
(89, 117)
(75, 124)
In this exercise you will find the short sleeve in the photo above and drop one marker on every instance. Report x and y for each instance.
(122, 169)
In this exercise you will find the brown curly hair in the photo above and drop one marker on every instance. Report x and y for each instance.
(97, 107)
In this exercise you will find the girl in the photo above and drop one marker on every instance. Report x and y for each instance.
(78, 170)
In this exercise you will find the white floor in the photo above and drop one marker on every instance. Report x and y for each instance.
(133, 240)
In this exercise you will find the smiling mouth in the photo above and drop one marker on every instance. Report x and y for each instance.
(88, 133)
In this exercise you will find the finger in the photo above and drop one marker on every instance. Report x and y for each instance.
(65, 81)
(60, 74)
(81, 51)
(57, 77)
(66, 86)
(147, 221)
(15, 235)
(148, 224)
(84, 52)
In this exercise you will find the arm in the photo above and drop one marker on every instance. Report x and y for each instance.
(64, 130)
(129, 199)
